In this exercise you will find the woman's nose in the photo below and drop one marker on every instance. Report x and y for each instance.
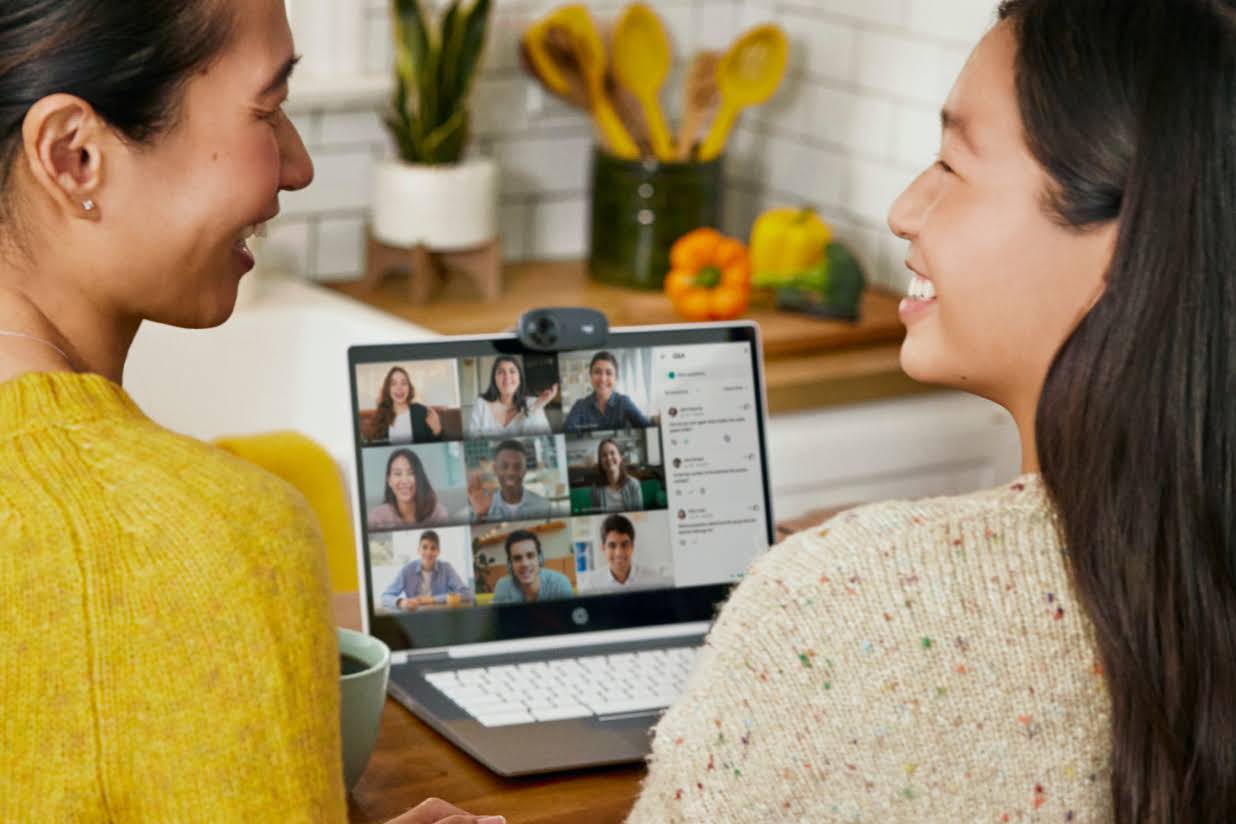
(905, 215)
(297, 169)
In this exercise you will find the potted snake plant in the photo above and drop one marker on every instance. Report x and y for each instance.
(432, 194)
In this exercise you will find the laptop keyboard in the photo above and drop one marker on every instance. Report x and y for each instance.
(565, 688)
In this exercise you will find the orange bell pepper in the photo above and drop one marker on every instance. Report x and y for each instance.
(710, 276)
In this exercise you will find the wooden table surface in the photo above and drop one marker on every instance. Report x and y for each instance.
(809, 363)
(411, 762)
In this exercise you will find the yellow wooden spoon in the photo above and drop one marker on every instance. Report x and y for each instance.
(589, 54)
(749, 74)
(641, 62)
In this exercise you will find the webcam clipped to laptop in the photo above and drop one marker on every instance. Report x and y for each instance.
(549, 520)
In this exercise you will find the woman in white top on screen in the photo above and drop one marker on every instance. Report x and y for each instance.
(398, 418)
(409, 496)
(506, 408)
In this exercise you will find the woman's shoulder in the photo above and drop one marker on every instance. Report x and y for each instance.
(958, 541)
(383, 516)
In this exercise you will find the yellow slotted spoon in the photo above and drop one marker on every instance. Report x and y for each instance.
(748, 75)
(641, 62)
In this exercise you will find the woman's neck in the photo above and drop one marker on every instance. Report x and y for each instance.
(93, 340)
(401, 406)
(407, 509)
(1024, 413)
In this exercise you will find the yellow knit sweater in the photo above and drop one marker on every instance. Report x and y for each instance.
(906, 662)
(166, 652)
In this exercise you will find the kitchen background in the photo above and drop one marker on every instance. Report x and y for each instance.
(855, 120)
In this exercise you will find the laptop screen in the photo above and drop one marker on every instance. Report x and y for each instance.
(508, 493)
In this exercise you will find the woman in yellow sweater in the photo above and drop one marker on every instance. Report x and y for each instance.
(166, 652)
(1063, 648)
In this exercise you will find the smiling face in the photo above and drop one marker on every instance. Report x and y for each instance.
(506, 378)
(611, 460)
(429, 554)
(510, 466)
(1000, 283)
(402, 480)
(618, 551)
(525, 562)
(603, 376)
(400, 387)
(182, 207)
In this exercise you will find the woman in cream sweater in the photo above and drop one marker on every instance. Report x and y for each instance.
(166, 648)
(1062, 648)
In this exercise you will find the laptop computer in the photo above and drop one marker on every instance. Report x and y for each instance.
(546, 536)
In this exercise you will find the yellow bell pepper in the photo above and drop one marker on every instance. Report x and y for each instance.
(785, 242)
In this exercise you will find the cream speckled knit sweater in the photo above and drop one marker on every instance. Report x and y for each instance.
(905, 662)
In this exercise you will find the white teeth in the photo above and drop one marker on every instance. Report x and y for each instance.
(255, 229)
(921, 289)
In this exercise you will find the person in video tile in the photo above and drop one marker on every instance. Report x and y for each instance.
(621, 572)
(527, 580)
(426, 580)
(398, 418)
(605, 407)
(409, 496)
(614, 490)
(506, 408)
(512, 502)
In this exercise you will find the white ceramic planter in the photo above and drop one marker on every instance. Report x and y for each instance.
(446, 208)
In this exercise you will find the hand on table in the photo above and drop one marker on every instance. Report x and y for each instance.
(437, 811)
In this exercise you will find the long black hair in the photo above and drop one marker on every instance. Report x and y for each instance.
(128, 59)
(425, 500)
(521, 393)
(1130, 107)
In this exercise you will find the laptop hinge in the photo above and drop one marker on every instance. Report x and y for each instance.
(419, 656)
(553, 643)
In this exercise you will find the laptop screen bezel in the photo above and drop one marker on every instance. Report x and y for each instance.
(584, 613)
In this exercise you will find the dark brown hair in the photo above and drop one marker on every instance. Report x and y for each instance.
(379, 426)
(425, 499)
(602, 477)
(521, 392)
(620, 524)
(129, 59)
(1130, 107)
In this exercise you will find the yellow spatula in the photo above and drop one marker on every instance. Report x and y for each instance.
(749, 74)
(641, 62)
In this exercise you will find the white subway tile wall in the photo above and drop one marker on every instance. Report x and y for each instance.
(854, 121)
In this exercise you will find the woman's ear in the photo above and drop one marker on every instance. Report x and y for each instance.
(63, 140)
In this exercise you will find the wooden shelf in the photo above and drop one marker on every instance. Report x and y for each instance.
(809, 363)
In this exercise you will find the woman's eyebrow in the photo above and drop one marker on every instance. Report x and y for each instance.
(281, 76)
(950, 121)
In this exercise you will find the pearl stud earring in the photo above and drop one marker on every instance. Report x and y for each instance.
(88, 205)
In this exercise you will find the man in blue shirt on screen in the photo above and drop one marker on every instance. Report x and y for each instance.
(426, 580)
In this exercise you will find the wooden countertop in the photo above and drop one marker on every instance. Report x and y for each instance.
(809, 363)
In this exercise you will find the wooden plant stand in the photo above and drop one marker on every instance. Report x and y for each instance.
(426, 269)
